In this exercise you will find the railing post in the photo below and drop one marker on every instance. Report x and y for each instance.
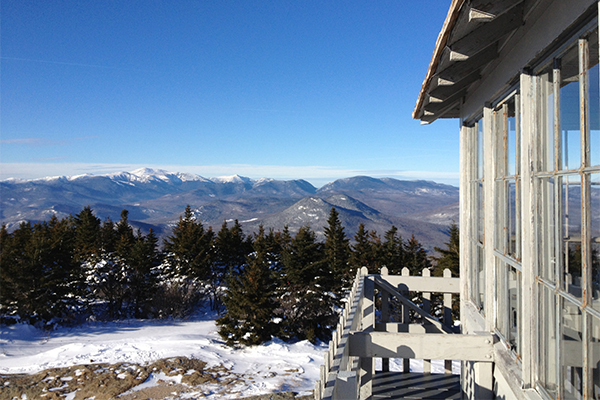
(448, 318)
(346, 386)
(368, 325)
(385, 317)
(405, 320)
(426, 273)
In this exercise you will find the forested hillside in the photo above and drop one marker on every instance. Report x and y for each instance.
(156, 198)
(272, 283)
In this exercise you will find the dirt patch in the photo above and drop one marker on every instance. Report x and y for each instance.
(171, 377)
(102, 381)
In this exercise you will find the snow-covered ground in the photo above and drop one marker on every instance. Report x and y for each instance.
(273, 367)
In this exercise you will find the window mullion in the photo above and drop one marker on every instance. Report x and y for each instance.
(586, 255)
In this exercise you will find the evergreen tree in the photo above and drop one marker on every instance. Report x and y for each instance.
(143, 259)
(393, 252)
(88, 238)
(416, 257)
(450, 256)
(337, 254)
(231, 250)
(189, 250)
(364, 249)
(109, 277)
(66, 280)
(108, 237)
(6, 286)
(250, 300)
(36, 272)
(306, 307)
(125, 237)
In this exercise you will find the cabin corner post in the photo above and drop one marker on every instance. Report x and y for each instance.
(529, 102)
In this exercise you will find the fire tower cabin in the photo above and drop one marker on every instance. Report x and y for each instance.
(522, 77)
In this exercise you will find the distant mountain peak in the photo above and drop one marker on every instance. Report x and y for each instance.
(232, 179)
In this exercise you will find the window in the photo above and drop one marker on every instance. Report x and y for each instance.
(568, 223)
(477, 270)
(507, 235)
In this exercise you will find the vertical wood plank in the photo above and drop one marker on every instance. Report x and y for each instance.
(426, 273)
(529, 106)
(448, 318)
(368, 325)
(489, 207)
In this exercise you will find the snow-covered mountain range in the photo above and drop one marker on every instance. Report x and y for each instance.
(156, 198)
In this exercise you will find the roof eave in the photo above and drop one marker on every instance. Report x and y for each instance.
(440, 44)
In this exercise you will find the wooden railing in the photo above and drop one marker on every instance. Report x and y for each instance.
(381, 319)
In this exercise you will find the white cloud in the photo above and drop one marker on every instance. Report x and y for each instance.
(317, 175)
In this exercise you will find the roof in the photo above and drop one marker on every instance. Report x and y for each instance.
(472, 35)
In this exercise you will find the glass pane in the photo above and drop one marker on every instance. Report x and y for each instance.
(595, 240)
(572, 350)
(481, 278)
(512, 138)
(547, 148)
(548, 251)
(480, 217)
(569, 110)
(547, 339)
(594, 100)
(512, 219)
(502, 317)
(514, 298)
(500, 228)
(594, 115)
(571, 221)
(518, 219)
(595, 358)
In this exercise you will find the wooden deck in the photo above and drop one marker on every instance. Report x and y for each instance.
(398, 385)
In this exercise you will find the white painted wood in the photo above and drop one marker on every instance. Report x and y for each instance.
(489, 151)
(422, 346)
(406, 302)
(548, 20)
(529, 121)
(465, 216)
(346, 385)
(484, 381)
(434, 284)
(367, 364)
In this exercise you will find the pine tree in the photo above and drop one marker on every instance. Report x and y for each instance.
(450, 256)
(364, 249)
(125, 237)
(108, 237)
(189, 249)
(143, 258)
(416, 257)
(306, 307)
(88, 238)
(250, 300)
(36, 271)
(108, 277)
(66, 281)
(393, 252)
(6, 270)
(337, 254)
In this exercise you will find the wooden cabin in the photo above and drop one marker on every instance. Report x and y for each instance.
(522, 78)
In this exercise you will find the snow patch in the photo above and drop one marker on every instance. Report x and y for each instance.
(274, 366)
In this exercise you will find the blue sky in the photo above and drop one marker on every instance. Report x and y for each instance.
(317, 90)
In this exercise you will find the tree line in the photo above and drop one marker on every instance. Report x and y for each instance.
(270, 283)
